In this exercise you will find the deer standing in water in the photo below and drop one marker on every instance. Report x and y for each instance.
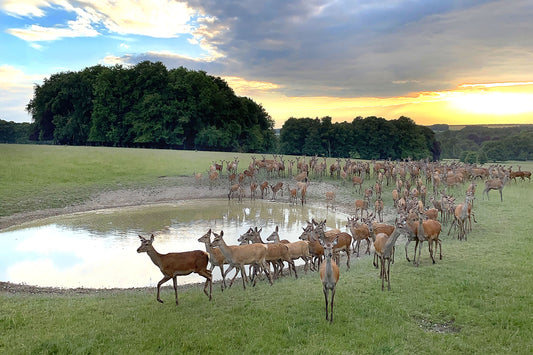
(173, 265)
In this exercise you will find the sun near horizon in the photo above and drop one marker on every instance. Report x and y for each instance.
(467, 104)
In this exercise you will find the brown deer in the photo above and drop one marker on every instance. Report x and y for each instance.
(297, 250)
(173, 265)
(384, 245)
(264, 189)
(361, 205)
(330, 198)
(277, 252)
(462, 217)
(215, 258)
(276, 188)
(429, 231)
(241, 255)
(378, 209)
(253, 190)
(329, 273)
(495, 184)
(358, 181)
(359, 232)
(293, 194)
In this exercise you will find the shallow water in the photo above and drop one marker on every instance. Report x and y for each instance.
(99, 249)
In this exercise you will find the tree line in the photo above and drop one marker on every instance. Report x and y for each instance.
(149, 106)
(481, 144)
(364, 138)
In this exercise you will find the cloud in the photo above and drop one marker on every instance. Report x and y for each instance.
(153, 18)
(81, 27)
(17, 90)
(32, 8)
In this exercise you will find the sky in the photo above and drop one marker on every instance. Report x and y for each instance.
(435, 61)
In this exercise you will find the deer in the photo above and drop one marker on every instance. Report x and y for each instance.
(198, 178)
(378, 208)
(495, 184)
(215, 257)
(277, 252)
(359, 232)
(303, 191)
(330, 198)
(361, 205)
(316, 250)
(173, 265)
(429, 231)
(297, 250)
(463, 212)
(236, 190)
(264, 189)
(293, 194)
(253, 190)
(240, 255)
(276, 188)
(376, 228)
(357, 180)
(329, 272)
(213, 178)
(384, 245)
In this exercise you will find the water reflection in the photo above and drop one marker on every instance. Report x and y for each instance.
(98, 249)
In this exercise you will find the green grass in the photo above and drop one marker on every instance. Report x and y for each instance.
(42, 176)
(478, 299)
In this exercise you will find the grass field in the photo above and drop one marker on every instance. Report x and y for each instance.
(478, 299)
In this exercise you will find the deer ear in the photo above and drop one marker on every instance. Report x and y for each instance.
(152, 238)
(221, 233)
(141, 238)
(277, 228)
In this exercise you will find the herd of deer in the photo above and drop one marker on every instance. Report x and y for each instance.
(319, 248)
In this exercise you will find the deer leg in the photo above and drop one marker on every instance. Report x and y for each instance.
(368, 246)
(388, 273)
(406, 244)
(419, 250)
(332, 298)
(430, 250)
(267, 272)
(223, 283)
(175, 282)
(243, 276)
(326, 298)
(291, 264)
(348, 258)
(163, 280)
(208, 281)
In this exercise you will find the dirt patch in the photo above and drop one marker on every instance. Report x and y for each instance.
(438, 327)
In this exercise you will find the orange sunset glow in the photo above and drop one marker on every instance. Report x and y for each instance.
(493, 103)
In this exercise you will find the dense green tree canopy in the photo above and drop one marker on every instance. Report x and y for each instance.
(490, 143)
(148, 105)
(366, 138)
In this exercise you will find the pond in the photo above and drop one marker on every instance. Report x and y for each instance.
(98, 249)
